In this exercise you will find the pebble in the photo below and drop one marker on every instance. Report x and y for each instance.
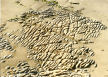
(95, 65)
(7, 67)
(2, 61)
(12, 67)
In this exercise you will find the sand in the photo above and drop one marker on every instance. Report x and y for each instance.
(95, 9)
